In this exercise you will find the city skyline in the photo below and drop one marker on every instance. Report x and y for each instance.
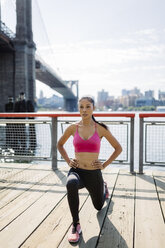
(129, 100)
(124, 92)
(114, 45)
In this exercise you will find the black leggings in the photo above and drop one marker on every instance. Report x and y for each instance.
(92, 180)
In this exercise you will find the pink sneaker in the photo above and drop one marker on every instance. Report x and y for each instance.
(106, 191)
(74, 236)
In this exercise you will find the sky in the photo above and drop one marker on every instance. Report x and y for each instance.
(105, 44)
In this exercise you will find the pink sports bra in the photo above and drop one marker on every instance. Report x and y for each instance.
(90, 145)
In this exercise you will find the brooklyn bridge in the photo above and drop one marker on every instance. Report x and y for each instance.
(21, 66)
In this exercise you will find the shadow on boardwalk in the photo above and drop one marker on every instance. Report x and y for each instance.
(34, 210)
(107, 230)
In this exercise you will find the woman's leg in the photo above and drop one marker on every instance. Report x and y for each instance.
(95, 185)
(74, 183)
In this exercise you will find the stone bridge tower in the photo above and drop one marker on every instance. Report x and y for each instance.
(24, 51)
(17, 66)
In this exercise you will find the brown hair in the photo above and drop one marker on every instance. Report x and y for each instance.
(91, 100)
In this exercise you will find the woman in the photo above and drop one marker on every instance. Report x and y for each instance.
(85, 167)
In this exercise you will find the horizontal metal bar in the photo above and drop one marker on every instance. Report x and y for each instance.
(25, 158)
(155, 122)
(5, 121)
(155, 164)
(147, 115)
(64, 114)
(114, 162)
(117, 122)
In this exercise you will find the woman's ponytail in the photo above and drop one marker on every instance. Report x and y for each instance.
(100, 123)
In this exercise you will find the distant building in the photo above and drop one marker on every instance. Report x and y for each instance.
(102, 98)
(135, 91)
(145, 102)
(124, 100)
(124, 92)
(128, 100)
(53, 102)
(161, 95)
(149, 94)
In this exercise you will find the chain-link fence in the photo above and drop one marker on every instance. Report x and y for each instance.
(152, 140)
(25, 139)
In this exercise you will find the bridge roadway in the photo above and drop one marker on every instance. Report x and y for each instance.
(6, 37)
(48, 76)
(44, 73)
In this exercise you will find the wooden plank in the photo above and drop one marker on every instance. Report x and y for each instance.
(149, 224)
(39, 221)
(117, 230)
(91, 220)
(8, 171)
(24, 176)
(18, 185)
(53, 229)
(27, 222)
(21, 174)
(16, 207)
(160, 186)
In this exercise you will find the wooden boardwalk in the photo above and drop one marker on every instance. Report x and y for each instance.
(34, 210)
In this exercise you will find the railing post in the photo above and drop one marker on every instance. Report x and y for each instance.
(54, 143)
(141, 145)
(132, 146)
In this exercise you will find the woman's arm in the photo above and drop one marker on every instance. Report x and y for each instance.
(60, 144)
(115, 144)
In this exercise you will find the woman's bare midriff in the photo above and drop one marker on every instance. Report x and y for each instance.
(85, 159)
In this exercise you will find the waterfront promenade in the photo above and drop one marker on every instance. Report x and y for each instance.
(34, 210)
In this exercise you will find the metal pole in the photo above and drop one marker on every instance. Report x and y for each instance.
(141, 146)
(132, 147)
(77, 94)
(77, 89)
(54, 143)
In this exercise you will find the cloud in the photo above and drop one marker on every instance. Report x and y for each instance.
(136, 58)
(128, 48)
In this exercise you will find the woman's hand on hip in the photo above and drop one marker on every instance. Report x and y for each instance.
(74, 163)
(97, 164)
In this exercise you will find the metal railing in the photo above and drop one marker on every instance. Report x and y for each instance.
(151, 140)
(25, 139)
(31, 139)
